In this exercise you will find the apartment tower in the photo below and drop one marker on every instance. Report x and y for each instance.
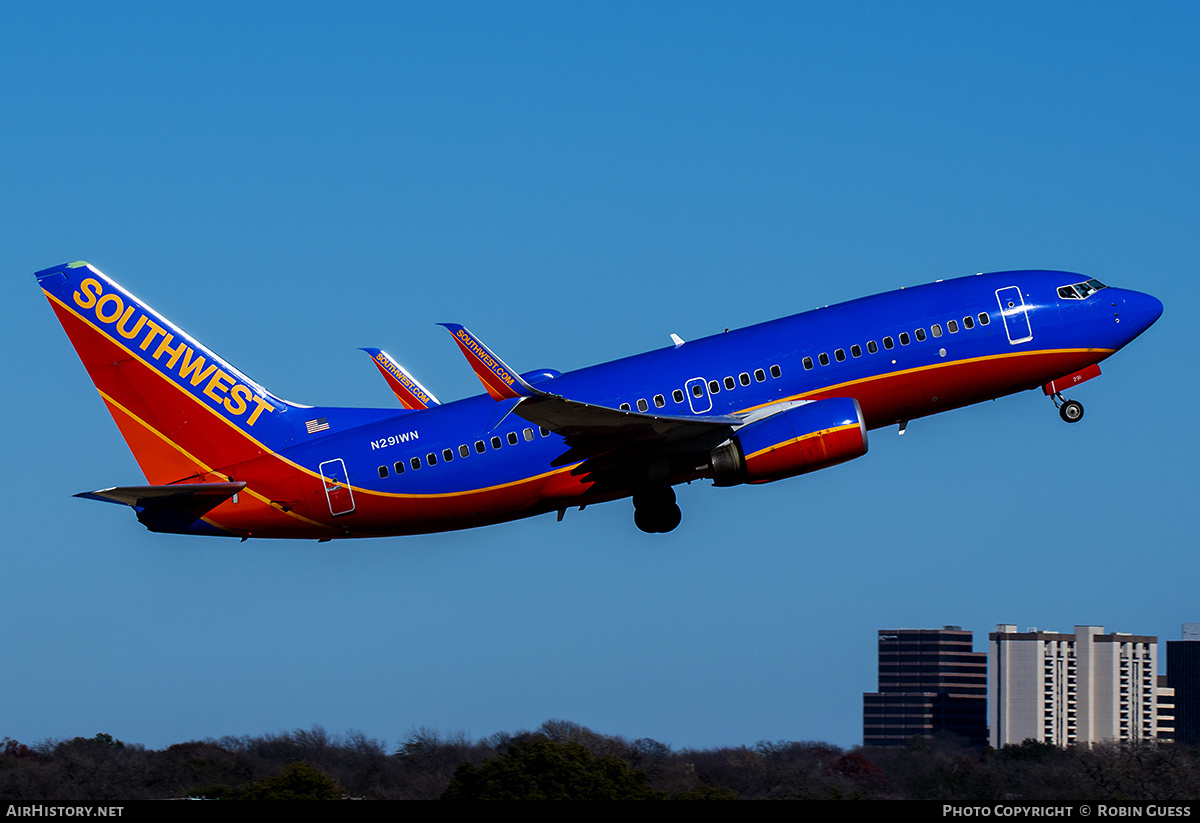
(1069, 689)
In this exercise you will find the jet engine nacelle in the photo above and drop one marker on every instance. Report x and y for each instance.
(793, 441)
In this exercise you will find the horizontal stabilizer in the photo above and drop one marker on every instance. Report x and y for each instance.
(203, 495)
(178, 509)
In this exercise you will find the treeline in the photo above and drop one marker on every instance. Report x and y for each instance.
(566, 760)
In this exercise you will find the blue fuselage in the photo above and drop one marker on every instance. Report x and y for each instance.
(903, 354)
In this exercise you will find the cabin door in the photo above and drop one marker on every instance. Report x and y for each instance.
(1015, 314)
(337, 487)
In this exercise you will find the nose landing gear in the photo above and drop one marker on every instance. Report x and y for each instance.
(1070, 411)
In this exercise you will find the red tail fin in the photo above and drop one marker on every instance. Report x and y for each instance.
(184, 412)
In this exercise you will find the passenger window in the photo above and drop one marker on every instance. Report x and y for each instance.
(643, 405)
(431, 459)
(479, 447)
(904, 338)
(984, 319)
(761, 375)
(624, 407)
(415, 463)
(383, 472)
(969, 322)
(775, 371)
(855, 351)
(545, 431)
(497, 442)
(888, 344)
(399, 466)
(744, 379)
(714, 387)
(808, 364)
(447, 455)
(659, 401)
(512, 438)
(920, 334)
(528, 434)
(697, 390)
(463, 451)
(677, 396)
(840, 354)
(872, 347)
(952, 326)
(936, 328)
(729, 384)
(823, 358)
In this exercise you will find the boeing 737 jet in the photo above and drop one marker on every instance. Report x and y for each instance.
(224, 456)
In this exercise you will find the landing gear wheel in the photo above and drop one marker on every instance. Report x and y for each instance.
(655, 510)
(1071, 411)
(658, 521)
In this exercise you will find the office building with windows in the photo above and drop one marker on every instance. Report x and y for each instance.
(1183, 676)
(930, 681)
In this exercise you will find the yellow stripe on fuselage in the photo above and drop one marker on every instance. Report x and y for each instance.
(933, 366)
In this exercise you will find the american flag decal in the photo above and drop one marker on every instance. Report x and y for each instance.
(318, 425)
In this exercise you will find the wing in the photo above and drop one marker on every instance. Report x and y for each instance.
(590, 430)
(611, 445)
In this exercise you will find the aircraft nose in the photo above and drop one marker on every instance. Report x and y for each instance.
(1142, 310)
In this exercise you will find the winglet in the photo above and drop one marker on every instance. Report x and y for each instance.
(410, 393)
(501, 382)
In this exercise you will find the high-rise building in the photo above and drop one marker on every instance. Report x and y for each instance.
(1183, 675)
(1067, 689)
(1165, 710)
(930, 681)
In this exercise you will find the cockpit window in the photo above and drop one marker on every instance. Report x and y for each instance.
(1080, 291)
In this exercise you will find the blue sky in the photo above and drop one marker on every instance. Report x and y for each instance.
(574, 182)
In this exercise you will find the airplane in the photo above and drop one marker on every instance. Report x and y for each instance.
(223, 456)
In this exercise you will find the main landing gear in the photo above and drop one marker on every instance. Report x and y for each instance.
(655, 510)
(1070, 410)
